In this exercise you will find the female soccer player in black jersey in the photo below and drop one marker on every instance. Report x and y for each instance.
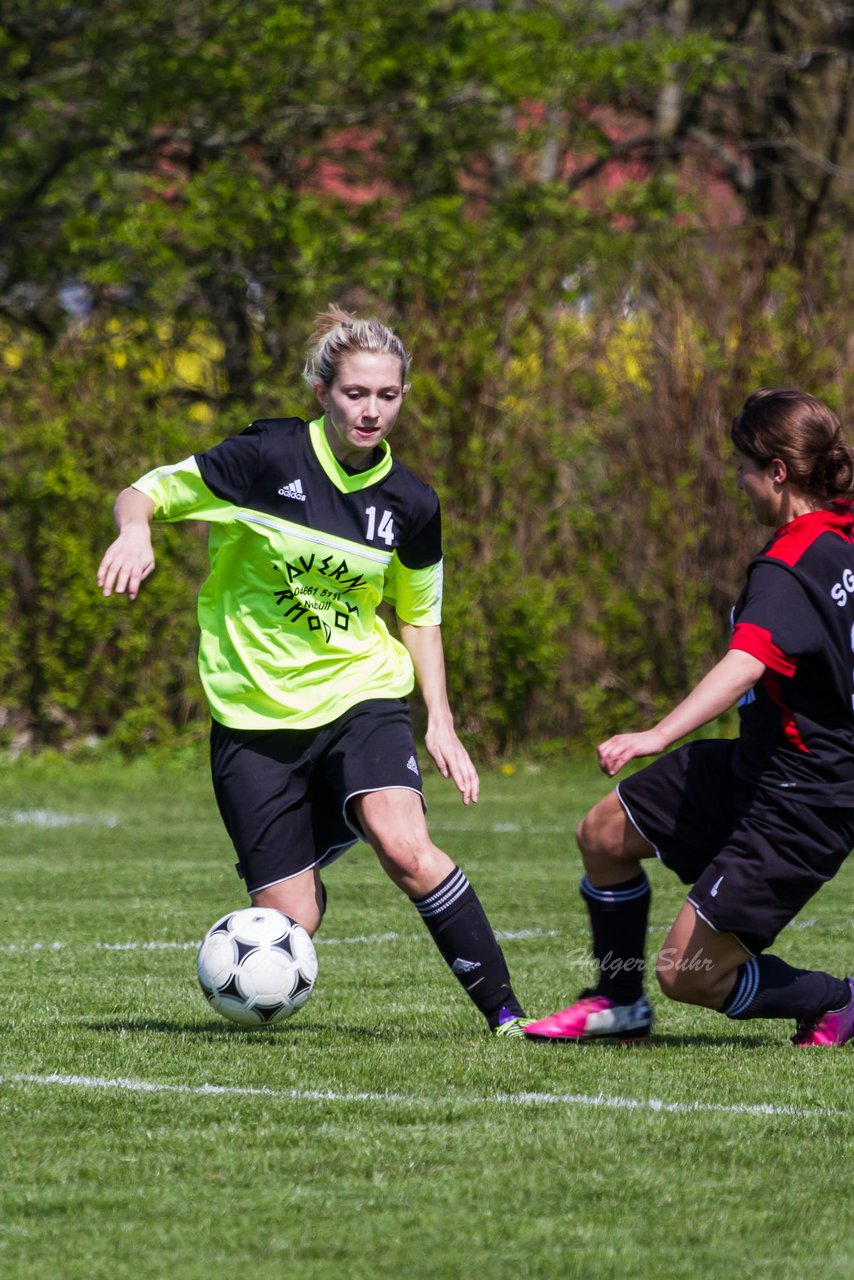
(757, 824)
(313, 525)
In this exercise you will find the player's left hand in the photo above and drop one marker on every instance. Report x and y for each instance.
(623, 747)
(453, 761)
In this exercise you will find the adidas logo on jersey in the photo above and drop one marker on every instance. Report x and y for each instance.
(412, 765)
(292, 490)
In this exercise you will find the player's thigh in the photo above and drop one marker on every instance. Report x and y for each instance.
(392, 815)
(607, 833)
(373, 764)
(393, 823)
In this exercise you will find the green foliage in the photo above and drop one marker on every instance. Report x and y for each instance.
(584, 292)
(73, 664)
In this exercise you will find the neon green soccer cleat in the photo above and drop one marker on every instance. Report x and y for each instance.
(512, 1028)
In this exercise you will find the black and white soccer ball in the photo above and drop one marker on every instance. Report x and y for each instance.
(257, 966)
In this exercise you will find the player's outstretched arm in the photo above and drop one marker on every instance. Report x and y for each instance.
(129, 560)
(721, 689)
(447, 752)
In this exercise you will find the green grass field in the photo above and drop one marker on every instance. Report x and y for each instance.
(381, 1132)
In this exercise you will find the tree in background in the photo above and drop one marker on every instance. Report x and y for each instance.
(599, 226)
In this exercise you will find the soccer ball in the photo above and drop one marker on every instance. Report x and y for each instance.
(257, 966)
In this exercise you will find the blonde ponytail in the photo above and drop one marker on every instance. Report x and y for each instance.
(338, 333)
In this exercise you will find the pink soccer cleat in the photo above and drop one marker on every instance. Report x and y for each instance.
(833, 1028)
(595, 1017)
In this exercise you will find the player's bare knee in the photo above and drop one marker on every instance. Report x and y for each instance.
(415, 868)
(588, 837)
(594, 836)
(401, 860)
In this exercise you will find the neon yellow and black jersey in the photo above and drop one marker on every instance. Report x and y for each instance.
(302, 552)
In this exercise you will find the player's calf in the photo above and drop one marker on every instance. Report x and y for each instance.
(458, 925)
(693, 978)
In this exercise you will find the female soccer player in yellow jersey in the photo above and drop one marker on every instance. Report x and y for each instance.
(313, 525)
(758, 823)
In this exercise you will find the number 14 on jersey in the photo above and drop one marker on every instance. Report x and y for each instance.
(385, 528)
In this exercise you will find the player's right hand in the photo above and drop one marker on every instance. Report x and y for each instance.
(127, 562)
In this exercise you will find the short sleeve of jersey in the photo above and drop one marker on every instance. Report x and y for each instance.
(424, 547)
(179, 493)
(230, 467)
(414, 582)
(206, 486)
(775, 620)
(415, 593)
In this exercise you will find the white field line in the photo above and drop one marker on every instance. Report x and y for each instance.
(50, 818)
(53, 818)
(606, 1101)
(20, 948)
(369, 940)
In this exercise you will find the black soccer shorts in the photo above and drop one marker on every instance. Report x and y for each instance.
(285, 795)
(753, 856)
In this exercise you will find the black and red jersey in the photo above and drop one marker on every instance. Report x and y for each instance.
(796, 615)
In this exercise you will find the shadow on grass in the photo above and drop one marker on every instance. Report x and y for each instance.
(224, 1030)
(666, 1041)
(710, 1040)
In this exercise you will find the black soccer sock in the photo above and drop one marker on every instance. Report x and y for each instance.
(618, 918)
(460, 929)
(767, 987)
